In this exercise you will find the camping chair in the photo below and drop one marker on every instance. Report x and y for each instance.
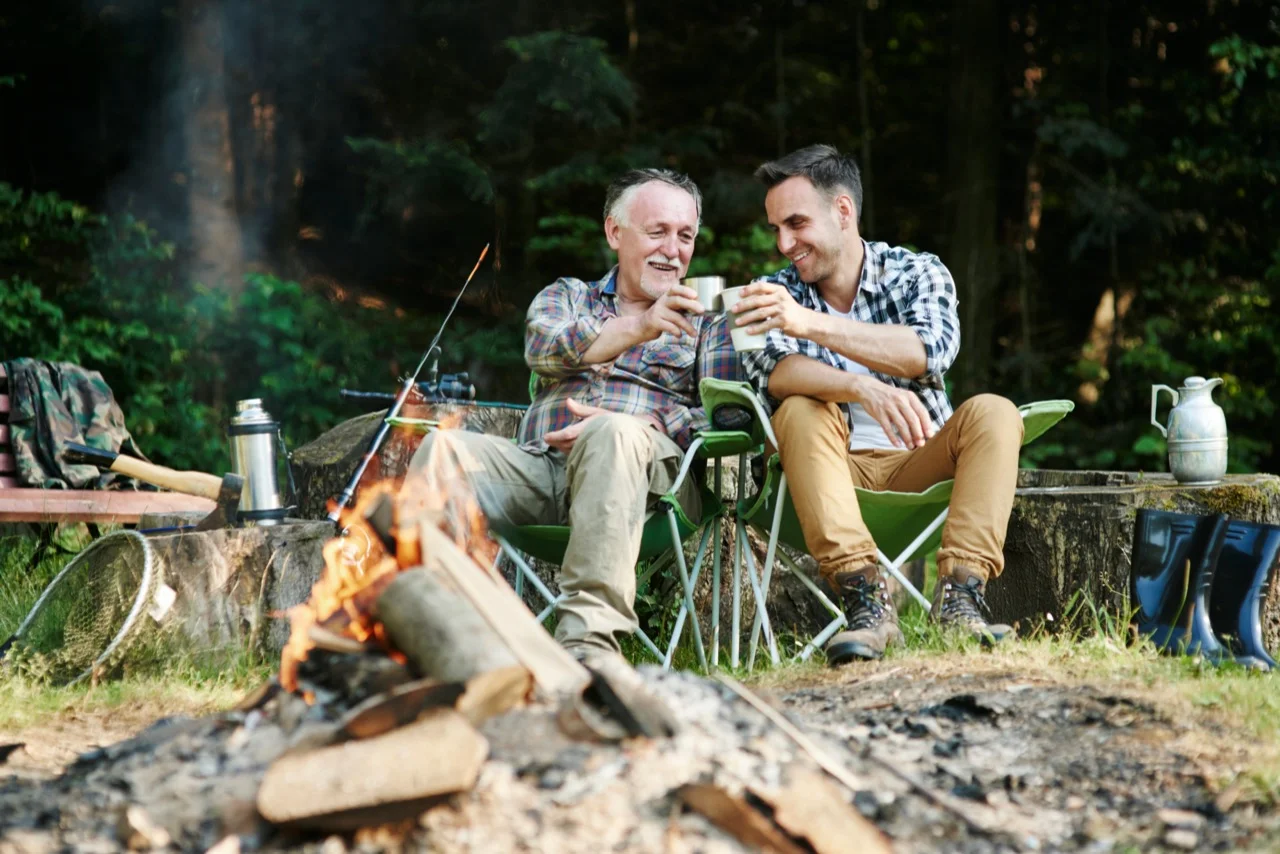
(666, 529)
(904, 524)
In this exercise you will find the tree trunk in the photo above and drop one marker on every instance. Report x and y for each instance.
(972, 180)
(217, 246)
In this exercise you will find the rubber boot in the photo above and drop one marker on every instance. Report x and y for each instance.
(1235, 606)
(1174, 557)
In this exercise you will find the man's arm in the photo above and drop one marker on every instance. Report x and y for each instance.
(717, 359)
(924, 342)
(561, 337)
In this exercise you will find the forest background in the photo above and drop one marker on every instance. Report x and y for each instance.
(215, 199)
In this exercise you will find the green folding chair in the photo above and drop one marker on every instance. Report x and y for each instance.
(666, 529)
(907, 525)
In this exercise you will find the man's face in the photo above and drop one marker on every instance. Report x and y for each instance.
(656, 243)
(809, 226)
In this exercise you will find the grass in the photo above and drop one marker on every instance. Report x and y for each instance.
(155, 681)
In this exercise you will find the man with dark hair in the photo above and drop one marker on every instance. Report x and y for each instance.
(859, 335)
(618, 362)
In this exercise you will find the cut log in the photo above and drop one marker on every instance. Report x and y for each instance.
(737, 818)
(235, 584)
(437, 629)
(376, 780)
(1071, 538)
(555, 671)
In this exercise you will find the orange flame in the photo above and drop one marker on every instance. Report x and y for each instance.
(358, 566)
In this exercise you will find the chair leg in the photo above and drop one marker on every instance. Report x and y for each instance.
(832, 627)
(684, 610)
(688, 590)
(738, 539)
(893, 567)
(762, 608)
(715, 571)
(770, 553)
(523, 570)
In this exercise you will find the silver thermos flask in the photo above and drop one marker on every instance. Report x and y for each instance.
(253, 456)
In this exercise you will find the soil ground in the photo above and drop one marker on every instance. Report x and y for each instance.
(1091, 753)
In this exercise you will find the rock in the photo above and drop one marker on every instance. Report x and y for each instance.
(18, 841)
(1185, 819)
(137, 831)
(1071, 532)
(1187, 840)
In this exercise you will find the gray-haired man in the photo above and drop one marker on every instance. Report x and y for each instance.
(618, 362)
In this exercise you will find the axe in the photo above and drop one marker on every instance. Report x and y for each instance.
(225, 491)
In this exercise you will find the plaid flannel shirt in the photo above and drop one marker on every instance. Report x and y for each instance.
(898, 286)
(658, 378)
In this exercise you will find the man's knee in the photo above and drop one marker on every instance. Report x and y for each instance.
(800, 414)
(613, 429)
(992, 412)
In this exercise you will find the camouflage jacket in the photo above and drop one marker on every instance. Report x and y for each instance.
(52, 403)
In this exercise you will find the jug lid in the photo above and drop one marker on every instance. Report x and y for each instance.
(1194, 382)
(250, 411)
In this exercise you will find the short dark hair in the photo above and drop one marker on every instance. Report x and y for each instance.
(825, 167)
(636, 178)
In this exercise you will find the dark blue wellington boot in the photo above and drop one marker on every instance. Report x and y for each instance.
(1235, 605)
(1174, 557)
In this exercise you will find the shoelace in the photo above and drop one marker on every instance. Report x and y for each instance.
(964, 602)
(868, 610)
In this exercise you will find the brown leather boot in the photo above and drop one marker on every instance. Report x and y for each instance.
(873, 621)
(960, 602)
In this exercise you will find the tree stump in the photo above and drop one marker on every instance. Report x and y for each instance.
(321, 468)
(1071, 536)
(235, 584)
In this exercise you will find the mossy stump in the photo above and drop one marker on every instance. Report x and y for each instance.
(1071, 538)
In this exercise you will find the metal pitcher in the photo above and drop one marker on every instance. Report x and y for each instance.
(1197, 432)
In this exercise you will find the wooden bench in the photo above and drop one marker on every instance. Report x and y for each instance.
(124, 507)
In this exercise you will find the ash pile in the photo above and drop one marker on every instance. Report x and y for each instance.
(420, 706)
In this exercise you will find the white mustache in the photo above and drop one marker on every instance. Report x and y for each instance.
(659, 258)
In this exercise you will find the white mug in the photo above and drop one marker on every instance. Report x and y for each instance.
(743, 341)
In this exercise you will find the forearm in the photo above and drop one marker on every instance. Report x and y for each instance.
(801, 375)
(618, 335)
(887, 348)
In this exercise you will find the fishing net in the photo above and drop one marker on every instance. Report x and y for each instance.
(91, 613)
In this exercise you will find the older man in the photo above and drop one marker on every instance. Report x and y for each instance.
(618, 362)
(859, 337)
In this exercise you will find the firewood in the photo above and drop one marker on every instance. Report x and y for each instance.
(555, 671)
(813, 809)
(495, 692)
(437, 629)
(375, 780)
(737, 818)
(397, 707)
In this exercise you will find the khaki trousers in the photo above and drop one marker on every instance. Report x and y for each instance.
(978, 446)
(603, 489)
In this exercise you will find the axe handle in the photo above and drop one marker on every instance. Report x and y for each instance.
(189, 482)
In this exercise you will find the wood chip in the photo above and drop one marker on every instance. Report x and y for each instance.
(137, 831)
(397, 707)
(737, 818)
(333, 642)
(374, 780)
(494, 692)
(812, 808)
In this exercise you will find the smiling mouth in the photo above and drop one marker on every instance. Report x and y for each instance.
(663, 268)
(803, 255)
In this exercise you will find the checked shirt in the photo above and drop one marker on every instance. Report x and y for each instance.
(658, 378)
(898, 286)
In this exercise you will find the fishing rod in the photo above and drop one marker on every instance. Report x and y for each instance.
(349, 493)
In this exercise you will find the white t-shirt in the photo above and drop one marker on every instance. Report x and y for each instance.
(865, 433)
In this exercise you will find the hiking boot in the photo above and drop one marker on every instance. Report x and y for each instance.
(873, 621)
(960, 602)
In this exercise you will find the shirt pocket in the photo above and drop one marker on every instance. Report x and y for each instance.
(671, 364)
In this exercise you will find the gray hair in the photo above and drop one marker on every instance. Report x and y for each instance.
(624, 187)
(826, 168)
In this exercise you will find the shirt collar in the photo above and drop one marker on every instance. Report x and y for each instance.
(609, 284)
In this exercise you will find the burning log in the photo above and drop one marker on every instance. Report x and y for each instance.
(437, 629)
(377, 780)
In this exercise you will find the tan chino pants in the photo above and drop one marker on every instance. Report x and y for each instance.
(602, 489)
(978, 446)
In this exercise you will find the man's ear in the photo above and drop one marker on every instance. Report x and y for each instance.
(847, 211)
(611, 229)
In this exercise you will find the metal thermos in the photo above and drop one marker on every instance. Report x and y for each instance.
(253, 456)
